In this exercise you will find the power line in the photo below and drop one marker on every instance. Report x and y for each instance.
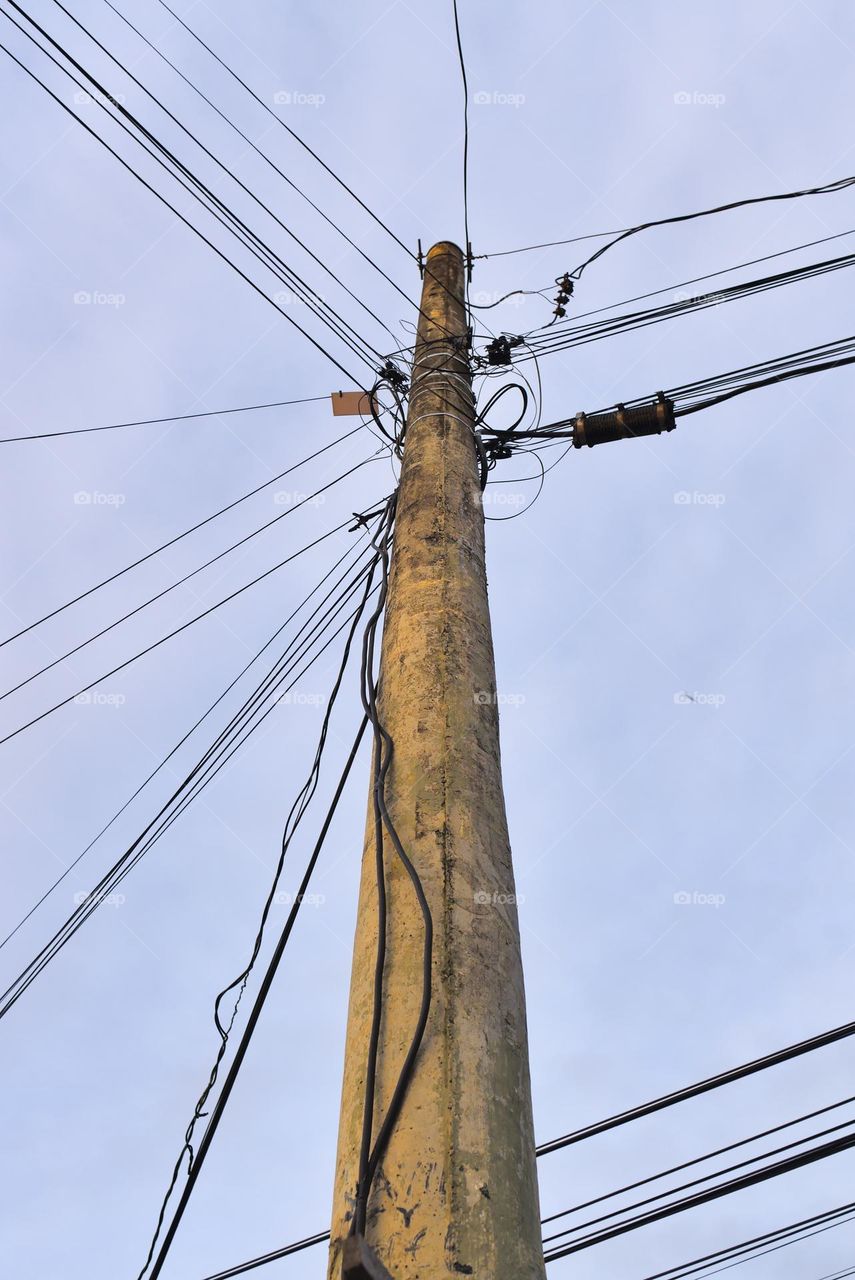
(294, 186)
(153, 422)
(462, 60)
(822, 1152)
(219, 252)
(177, 583)
(297, 812)
(286, 127)
(319, 261)
(178, 538)
(712, 1155)
(176, 631)
(211, 202)
(695, 1182)
(227, 742)
(165, 760)
(773, 1059)
(746, 1250)
(829, 188)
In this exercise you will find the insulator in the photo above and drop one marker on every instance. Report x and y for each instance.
(623, 423)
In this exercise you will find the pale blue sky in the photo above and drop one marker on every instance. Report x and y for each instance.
(609, 598)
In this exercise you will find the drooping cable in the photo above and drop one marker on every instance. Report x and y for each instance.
(245, 721)
(174, 750)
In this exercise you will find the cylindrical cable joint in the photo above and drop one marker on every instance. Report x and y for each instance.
(623, 423)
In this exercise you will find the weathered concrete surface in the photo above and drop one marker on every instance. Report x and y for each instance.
(457, 1192)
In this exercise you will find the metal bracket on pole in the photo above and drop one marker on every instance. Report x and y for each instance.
(360, 1262)
(470, 261)
(420, 259)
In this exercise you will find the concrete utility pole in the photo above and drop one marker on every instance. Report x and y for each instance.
(456, 1191)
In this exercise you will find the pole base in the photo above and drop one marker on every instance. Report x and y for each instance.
(360, 1262)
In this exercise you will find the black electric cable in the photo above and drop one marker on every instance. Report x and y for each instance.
(206, 240)
(383, 753)
(709, 275)
(178, 537)
(220, 211)
(773, 1059)
(170, 635)
(462, 60)
(549, 244)
(242, 1268)
(254, 533)
(299, 808)
(745, 1250)
(684, 1186)
(245, 137)
(711, 1155)
(822, 1152)
(829, 188)
(127, 71)
(153, 422)
(577, 335)
(212, 761)
(285, 126)
(165, 760)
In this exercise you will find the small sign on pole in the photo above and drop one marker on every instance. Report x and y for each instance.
(350, 403)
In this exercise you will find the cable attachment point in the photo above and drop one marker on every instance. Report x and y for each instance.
(623, 423)
(393, 375)
(420, 260)
(470, 261)
(498, 351)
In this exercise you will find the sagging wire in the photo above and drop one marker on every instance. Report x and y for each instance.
(295, 816)
(370, 1155)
